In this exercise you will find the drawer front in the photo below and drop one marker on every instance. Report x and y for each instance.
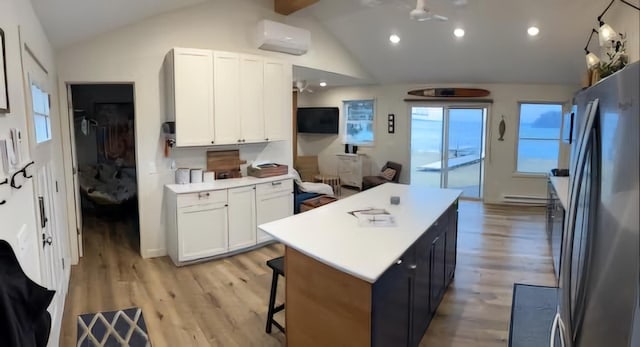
(283, 186)
(208, 197)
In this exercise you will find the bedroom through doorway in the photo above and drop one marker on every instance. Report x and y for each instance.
(104, 167)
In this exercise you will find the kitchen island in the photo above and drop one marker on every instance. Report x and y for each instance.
(351, 285)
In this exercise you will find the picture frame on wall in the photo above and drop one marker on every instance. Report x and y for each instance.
(4, 88)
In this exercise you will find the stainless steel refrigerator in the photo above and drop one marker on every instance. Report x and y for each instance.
(599, 271)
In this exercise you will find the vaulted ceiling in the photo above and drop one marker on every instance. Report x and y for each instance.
(496, 47)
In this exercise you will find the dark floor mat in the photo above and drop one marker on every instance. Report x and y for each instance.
(532, 313)
(113, 329)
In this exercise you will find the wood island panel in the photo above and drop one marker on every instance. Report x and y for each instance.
(324, 306)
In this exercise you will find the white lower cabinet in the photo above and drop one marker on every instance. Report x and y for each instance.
(273, 207)
(242, 217)
(203, 231)
(207, 224)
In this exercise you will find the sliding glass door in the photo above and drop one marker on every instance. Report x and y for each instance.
(447, 147)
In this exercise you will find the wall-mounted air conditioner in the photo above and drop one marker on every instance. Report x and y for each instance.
(278, 37)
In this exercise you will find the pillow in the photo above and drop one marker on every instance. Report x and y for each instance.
(388, 174)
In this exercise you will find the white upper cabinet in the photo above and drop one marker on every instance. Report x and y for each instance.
(226, 81)
(251, 101)
(277, 100)
(221, 98)
(190, 100)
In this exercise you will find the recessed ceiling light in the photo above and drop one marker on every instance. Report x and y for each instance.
(323, 84)
(533, 31)
(394, 38)
(459, 32)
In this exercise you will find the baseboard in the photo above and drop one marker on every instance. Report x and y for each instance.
(154, 253)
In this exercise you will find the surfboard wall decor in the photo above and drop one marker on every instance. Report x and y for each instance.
(450, 92)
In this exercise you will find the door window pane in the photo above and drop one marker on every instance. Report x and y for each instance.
(466, 129)
(426, 146)
(539, 137)
(41, 119)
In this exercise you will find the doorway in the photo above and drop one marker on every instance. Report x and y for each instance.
(448, 147)
(104, 164)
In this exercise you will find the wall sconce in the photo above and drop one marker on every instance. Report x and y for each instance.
(592, 59)
(606, 32)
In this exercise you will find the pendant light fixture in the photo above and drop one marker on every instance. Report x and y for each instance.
(592, 59)
(606, 32)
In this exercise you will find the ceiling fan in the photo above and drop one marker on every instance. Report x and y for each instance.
(302, 86)
(421, 13)
(418, 13)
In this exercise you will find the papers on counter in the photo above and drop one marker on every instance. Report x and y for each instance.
(374, 217)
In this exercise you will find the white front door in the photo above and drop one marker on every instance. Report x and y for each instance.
(43, 140)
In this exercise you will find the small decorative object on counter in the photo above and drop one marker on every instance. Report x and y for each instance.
(395, 200)
(182, 176)
(209, 176)
(196, 175)
(267, 170)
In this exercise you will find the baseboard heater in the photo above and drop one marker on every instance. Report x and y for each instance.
(525, 200)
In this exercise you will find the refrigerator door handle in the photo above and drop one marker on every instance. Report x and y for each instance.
(554, 327)
(568, 239)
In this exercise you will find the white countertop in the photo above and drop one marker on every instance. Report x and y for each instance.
(223, 184)
(330, 235)
(561, 185)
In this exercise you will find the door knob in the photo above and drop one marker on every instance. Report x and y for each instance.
(46, 240)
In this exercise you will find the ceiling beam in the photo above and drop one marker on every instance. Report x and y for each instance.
(287, 7)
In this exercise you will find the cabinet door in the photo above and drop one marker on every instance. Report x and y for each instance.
(451, 242)
(226, 77)
(438, 272)
(391, 312)
(193, 93)
(251, 100)
(421, 288)
(271, 208)
(242, 217)
(202, 231)
(277, 100)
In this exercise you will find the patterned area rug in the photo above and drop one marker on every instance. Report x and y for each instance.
(113, 329)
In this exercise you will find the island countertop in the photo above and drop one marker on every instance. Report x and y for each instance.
(332, 236)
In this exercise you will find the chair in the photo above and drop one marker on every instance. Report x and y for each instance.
(277, 265)
(372, 181)
(308, 167)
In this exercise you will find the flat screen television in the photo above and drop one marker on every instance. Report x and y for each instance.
(318, 120)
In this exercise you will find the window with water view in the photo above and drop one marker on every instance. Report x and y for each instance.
(359, 116)
(539, 137)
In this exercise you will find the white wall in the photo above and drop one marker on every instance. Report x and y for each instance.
(625, 19)
(135, 54)
(500, 164)
(19, 213)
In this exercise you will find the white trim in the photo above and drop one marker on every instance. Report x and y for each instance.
(154, 253)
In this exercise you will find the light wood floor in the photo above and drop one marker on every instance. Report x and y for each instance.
(224, 302)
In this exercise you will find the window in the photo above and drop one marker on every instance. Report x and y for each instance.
(359, 122)
(539, 137)
(41, 119)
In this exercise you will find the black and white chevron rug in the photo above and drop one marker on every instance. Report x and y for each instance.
(113, 329)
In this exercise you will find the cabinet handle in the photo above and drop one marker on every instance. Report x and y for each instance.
(413, 267)
(276, 183)
(239, 140)
(267, 139)
(399, 262)
(243, 140)
(212, 142)
(226, 205)
(201, 195)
